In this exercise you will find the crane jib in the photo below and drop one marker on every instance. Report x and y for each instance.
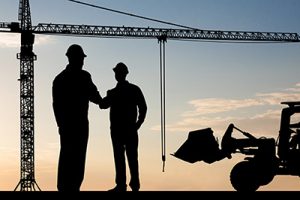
(147, 32)
(152, 33)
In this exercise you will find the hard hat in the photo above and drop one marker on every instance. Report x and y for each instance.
(121, 68)
(75, 50)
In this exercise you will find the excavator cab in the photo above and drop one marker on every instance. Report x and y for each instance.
(289, 140)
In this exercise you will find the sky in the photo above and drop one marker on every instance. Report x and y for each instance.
(208, 84)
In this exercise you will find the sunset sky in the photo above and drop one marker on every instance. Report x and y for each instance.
(208, 84)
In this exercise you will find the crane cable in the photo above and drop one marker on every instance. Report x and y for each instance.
(133, 15)
(162, 42)
(168, 23)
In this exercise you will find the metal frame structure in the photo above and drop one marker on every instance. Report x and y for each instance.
(27, 58)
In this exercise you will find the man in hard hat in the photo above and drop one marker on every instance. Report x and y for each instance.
(127, 113)
(72, 91)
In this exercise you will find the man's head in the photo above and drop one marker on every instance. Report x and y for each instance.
(75, 50)
(121, 68)
(75, 56)
(121, 71)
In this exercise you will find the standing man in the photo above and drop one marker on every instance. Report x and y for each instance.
(72, 91)
(127, 113)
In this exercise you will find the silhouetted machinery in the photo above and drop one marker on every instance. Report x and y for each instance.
(27, 58)
(265, 157)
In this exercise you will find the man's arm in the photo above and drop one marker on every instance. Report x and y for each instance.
(57, 107)
(96, 98)
(105, 102)
(142, 109)
(94, 95)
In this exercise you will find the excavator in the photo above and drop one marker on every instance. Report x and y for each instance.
(264, 157)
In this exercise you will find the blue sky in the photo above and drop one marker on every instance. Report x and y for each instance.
(207, 85)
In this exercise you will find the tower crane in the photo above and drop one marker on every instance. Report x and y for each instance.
(27, 57)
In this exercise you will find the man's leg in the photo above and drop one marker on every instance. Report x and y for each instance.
(72, 159)
(120, 163)
(132, 155)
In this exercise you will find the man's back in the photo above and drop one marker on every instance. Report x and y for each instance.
(72, 91)
(127, 101)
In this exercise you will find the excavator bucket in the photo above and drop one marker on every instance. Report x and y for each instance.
(200, 145)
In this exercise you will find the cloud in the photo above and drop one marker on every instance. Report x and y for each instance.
(213, 105)
(13, 40)
(295, 89)
(10, 40)
(292, 94)
(43, 40)
(263, 113)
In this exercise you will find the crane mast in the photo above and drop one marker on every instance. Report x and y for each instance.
(27, 57)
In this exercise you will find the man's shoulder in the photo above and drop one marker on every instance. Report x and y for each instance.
(135, 87)
(112, 90)
(59, 76)
(132, 85)
(85, 72)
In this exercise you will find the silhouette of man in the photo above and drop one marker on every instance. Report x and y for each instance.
(72, 90)
(127, 113)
